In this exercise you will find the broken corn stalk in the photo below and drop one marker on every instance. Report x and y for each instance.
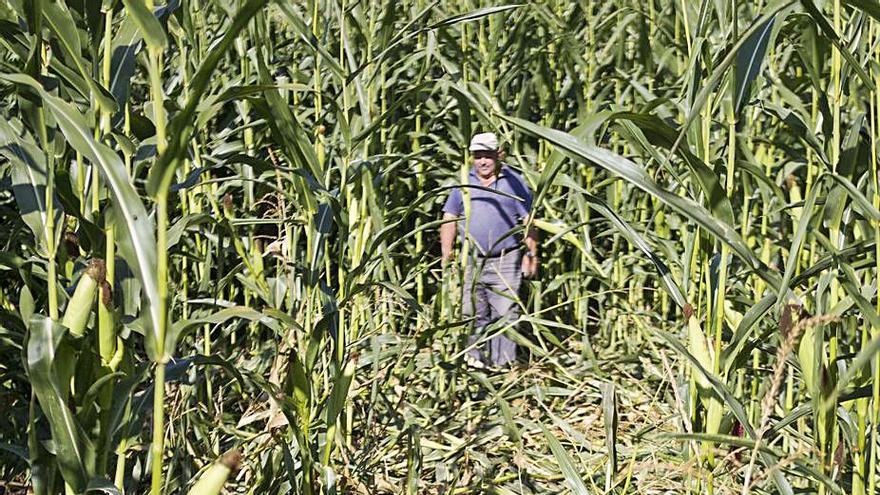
(212, 481)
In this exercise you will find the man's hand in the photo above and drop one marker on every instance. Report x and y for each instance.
(530, 258)
(529, 266)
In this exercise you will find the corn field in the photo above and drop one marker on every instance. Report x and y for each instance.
(220, 266)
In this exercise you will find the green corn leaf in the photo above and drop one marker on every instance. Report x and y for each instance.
(562, 231)
(179, 327)
(731, 440)
(798, 241)
(149, 25)
(472, 15)
(609, 417)
(660, 133)
(305, 33)
(797, 123)
(864, 205)
(637, 240)
(288, 130)
(741, 343)
(99, 485)
(65, 32)
(566, 464)
(870, 7)
(73, 449)
(125, 47)
(413, 460)
(730, 402)
(340, 391)
(15, 37)
(715, 385)
(749, 60)
(828, 30)
(29, 184)
(298, 387)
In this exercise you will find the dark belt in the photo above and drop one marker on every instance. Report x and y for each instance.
(489, 256)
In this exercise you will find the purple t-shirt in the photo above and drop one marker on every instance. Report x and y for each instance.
(493, 215)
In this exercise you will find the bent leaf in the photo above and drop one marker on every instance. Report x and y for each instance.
(73, 450)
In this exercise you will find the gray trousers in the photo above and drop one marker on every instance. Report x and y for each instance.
(491, 291)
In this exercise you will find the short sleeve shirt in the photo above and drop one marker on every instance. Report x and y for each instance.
(494, 211)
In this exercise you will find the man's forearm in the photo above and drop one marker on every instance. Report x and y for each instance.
(532, 242)
(530, 260)
(531, 238)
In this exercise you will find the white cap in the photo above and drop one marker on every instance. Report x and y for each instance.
(485, 141)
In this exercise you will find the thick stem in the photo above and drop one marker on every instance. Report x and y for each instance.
(39, 69)
(828, 421)
(157, 448)
(106, 323)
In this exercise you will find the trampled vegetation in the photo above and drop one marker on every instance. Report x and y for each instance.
(219, 246)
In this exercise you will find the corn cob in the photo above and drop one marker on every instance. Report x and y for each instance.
(79, 308)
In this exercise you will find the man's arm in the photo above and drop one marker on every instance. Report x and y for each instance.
(447, 236)
(530, 260)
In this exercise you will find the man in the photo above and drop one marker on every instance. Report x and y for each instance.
(492, 279)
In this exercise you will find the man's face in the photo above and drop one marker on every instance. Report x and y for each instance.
(484, 163)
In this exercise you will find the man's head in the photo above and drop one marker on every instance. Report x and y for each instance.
(484, 148)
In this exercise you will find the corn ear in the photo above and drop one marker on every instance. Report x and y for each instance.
(298, 386)
(714, 413)
(79, 308)
(700, 349)
(808, 359)
(825, 417)
(212, 481)
(336, 403)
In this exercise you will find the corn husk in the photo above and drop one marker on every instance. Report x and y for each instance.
(212, 480)
(79, 308)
